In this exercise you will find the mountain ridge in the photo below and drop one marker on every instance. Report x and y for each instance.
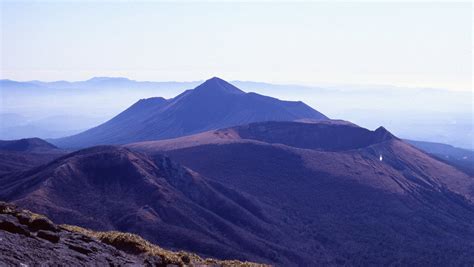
(345, 200)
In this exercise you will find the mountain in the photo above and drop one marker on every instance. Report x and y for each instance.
(113, 188)
(32, 239)
(212, 105)
(93, 83)
(100, 98)
(287, 193)
(85, 103)
(462, 159)
(17, 155)
(6, 84)
(26, 145)
(344, 194)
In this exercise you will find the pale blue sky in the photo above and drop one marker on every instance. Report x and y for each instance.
(404, 44)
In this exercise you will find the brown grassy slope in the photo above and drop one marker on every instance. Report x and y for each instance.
(134, 244)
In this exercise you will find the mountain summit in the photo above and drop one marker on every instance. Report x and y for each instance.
(217, 85)
(212, 105)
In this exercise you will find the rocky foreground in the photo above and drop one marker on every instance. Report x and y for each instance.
(28, 239)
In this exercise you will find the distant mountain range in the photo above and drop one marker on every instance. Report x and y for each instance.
(93, 83)
(212, 105)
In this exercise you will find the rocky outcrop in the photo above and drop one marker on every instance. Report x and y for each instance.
(29, 239)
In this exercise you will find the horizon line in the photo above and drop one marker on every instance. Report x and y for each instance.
(291, 83)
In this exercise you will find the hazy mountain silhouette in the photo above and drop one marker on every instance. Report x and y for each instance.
(212, 105)
(92, 83)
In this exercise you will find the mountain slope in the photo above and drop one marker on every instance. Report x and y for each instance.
(111, 188)
(358, 198)
(212, 105)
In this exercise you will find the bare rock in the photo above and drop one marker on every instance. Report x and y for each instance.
(8, 223)
(42, 223)
(50, 236)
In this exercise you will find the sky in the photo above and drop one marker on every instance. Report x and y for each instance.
(426, 44)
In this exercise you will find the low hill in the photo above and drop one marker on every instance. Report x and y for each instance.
(26, 145)
(23, 154)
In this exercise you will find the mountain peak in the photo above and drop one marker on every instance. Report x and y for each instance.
(104, 79)
(216, 84)
(213, 104)
(383, 134)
